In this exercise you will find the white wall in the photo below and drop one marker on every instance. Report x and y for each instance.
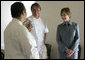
(50, 14)
(28, 6)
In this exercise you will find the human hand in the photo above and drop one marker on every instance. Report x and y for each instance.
(69, 52)
(29, 26)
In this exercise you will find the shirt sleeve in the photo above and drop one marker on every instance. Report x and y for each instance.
(33, 44)
(46, 29)
(60, 42)
(34, 49)
(75, 43)
(24, 43)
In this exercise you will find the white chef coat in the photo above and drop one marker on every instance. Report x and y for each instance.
(38, 31)
(19, 43)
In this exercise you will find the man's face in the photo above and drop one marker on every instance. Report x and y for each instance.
(35, 11)
(64, 16)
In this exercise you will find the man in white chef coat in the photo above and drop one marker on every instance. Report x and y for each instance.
(19, 42)
(39, 30)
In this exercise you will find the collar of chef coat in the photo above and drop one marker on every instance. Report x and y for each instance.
(14, 19)
(35, 18)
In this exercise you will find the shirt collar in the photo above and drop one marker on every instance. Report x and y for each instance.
(34, 17)
(70, 22)
(14, 19)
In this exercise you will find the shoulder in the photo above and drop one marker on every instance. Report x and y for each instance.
(75, 24)
(40, 19)
(60, 25)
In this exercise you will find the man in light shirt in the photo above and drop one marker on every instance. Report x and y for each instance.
(39, 30)
(19, 42)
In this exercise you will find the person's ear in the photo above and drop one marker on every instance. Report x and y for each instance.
(24, 12)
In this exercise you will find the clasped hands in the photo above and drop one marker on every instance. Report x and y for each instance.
(69, 52)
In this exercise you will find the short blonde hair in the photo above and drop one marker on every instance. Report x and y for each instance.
(36, 4)
(66, 10)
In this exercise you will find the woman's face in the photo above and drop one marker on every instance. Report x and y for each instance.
(64, 16)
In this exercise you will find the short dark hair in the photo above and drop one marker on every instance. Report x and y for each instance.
(36, 4)
(66, 10)
(17, 9)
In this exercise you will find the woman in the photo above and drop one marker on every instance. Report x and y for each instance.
(67, 36)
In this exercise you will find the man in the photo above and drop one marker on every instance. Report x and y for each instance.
(19, 43)
(39, 30)
(67, 36)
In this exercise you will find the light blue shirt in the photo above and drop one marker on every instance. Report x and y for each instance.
(68, 36)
